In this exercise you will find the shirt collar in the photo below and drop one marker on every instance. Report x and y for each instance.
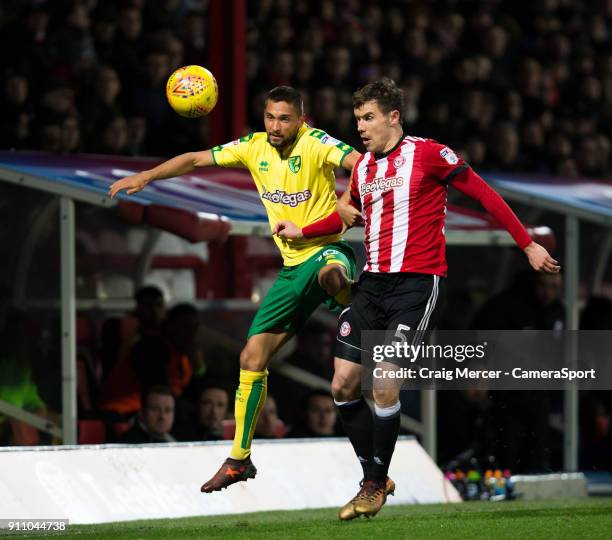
(385, 154)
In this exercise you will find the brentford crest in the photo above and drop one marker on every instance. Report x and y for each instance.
(345, 329)
(399, 161)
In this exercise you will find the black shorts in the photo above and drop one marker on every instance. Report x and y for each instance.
(393, 303)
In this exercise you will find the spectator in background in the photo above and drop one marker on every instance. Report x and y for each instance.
(148, 97)
(212, 408)
(319, 416)
(104, 30)
(269, 425)
(113, 136)
(166, 40)
(313, 353)
(504, 153)
(17, 386)
(194, 36)
(150, 310)
(595, 406)
(70, 137)
(120, 392)
(532, 302)
(56, 103)
(28, 38)
(137, 134)
(15, 113)
(129, 45)
(155, 419)
(100, 103)
(72, 44)
(314, 350)
(166, 358)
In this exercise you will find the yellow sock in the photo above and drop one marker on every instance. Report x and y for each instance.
(250, 398)
(344, 296)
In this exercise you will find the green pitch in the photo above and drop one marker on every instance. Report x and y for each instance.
(559, 519)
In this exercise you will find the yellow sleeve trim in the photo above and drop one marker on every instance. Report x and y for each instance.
(335, 261)
(346, 153)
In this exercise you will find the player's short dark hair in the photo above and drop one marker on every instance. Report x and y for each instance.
(385, 92)
(287, 94)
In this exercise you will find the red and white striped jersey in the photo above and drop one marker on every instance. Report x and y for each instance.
(402, 195)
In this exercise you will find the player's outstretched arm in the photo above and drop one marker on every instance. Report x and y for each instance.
(176, 166)
(472, 185)
(540, 259)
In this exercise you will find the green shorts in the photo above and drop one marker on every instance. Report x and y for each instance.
(296, 293)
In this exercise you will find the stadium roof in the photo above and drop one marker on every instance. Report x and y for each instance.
(204, 205)
(583, 198)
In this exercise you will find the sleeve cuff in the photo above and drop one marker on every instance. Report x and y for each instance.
(346, 153)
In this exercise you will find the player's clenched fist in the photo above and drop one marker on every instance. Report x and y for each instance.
(287, 229)
(132, 184)
(349, 214)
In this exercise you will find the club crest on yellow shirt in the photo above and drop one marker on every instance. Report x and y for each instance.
(295, 163)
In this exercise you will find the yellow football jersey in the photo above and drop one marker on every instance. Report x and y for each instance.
(298, 185)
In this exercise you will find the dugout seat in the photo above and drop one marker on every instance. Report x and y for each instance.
(23, 434)
(119, 428)
(92, 432)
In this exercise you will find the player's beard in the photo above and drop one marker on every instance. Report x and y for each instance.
(284, 143)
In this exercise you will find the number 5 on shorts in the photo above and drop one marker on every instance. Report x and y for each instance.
(401, 338)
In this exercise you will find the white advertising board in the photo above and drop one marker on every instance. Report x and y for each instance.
(97, 484)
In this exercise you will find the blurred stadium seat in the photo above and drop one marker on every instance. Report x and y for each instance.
(92, 432)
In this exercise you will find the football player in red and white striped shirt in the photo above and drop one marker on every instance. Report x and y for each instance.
(399, 187)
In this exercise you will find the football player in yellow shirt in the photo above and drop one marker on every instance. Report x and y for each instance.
(292, 166)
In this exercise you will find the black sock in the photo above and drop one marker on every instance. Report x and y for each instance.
(356, 418)
(386, 431)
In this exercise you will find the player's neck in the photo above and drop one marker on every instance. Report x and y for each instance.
(393, 142)
(287, 148)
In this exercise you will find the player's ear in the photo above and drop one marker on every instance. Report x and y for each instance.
(394, 118)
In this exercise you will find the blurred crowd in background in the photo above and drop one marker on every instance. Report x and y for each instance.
(89, 76)
(514, 86)
(150, 376)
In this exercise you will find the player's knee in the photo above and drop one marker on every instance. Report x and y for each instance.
(344, 389)
(333, 279)
(385, 397)
(252, 359)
